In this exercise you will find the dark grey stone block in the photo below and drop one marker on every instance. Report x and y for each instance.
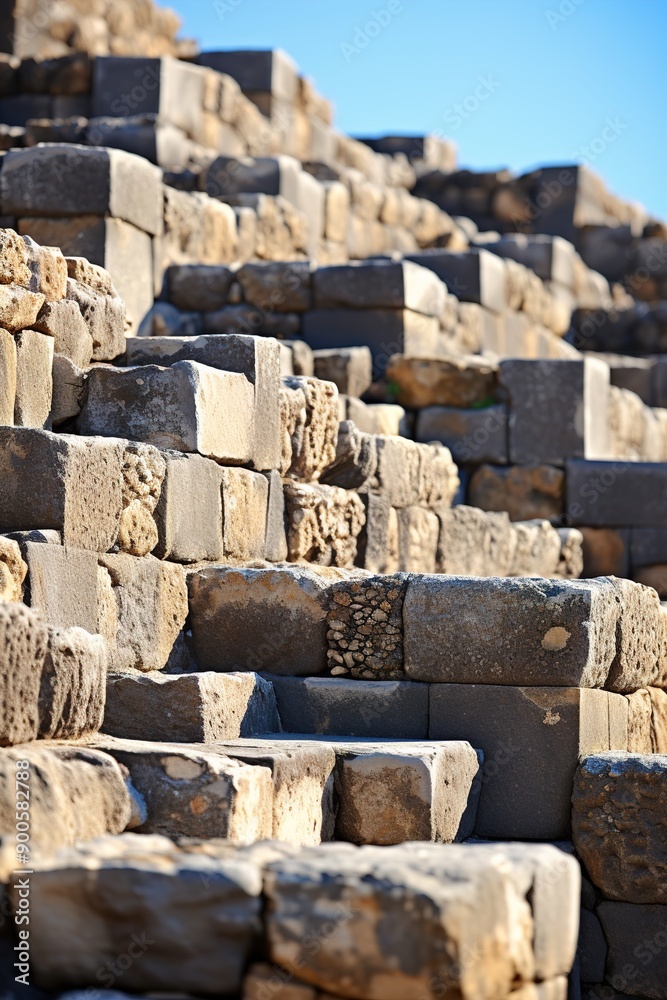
(637, 939)
(472, 436)
(473, 276)
(617, 494)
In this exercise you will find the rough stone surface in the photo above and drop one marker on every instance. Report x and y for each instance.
(509, 631)
(309, 423)
(323, 523)
(75, 794)
(188, 515)
(13, 570)
(23, 644)
(365, 627)
(71, 336)
(189, 708)
(73, 684)
(188, 407)
(245, 496)
(619, 824)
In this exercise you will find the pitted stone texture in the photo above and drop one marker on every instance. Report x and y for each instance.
(93, 275)
(170, 898)
(309, 422)
(441, 904)
(462, 382)
(196, 793)
(390, 793)
(468, 630)
(303, 783)
(104, 315)
(48, 270)
(189, 708)
(637, 662)
(365, 628)
(14, 259)
(283, 609)
(538, 549)
(524, 491)
(12, 570)
(73, 684)
(19, 307)
(23, 644)
(188, 407)
(151, 608)
(143, 474)
(619, 824)
(340, 706)
(83, 499)
(323, 523)
(75, 794)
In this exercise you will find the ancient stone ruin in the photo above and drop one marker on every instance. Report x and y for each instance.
(333, 545)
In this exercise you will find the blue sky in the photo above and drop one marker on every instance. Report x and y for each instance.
(513, 82)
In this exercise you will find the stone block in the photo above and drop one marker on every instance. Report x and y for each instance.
(418, 533)
(538, 549)
(561, 634)
(356, 458)
(322, 523)
(636, 960)
(339, 706)
(24, 640)
(63, 322)
(198, 287)
(151, 608)
(473, 276)
(385, 331)
(73, 684)
(13, 570)
(532, 739)
(639, 636)
(184, 896)
(245, 497)
(60, 179)
(255, 357)
(408, 473)
(592, 948)
(392, 793)
(422, 887)
(196, 793)
(277, 286)
(472, 436)
(550, 257)
(189, 511)
(606, 551)
(284, 609)
(34, 380)
(524, 491)
(188, 407)
(189, 708)
(350, 369)
(557, 410)
(469, 381)
(7, 377)
(309, 427)
(473, 542)
(303, 784)
(619, 825)
(617, 494)
(83, 501)
(19, 307)
(379, 285)
(61, 584)
(275, 547)
(75, 794)
(377, 545)
(269, 71)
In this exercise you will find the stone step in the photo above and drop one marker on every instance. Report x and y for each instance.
(515, 909)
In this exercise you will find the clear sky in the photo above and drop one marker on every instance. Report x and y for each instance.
(514, 83)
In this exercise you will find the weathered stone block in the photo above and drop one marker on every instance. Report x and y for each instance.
(309, 427)
(473, 276)
(535, 632)
(524, 491)
(434, 381)
(255, 357)
(63, 179)
(196, 793)
(472, 436)
(356, 458)
(616, 494)
(379, 285)
(188, 407)
(151, 608)
(83, 500)
(19, 307)
(349, 368)
(474, 542)
(189, 512)
(180, 889)
(104, 316)
(619, 824)
(283, 609)
(13, 570)
(63, 322)
(532, 739)
(338, 706)
(418, 533)
(24, 639)
(34, 380)
(73, 684)
(322, 523)
(75, 794)
(61, 584)
(189, 708)
(557, 410)
(281, 286)
(275, 547)
(398, 792)
(244, 513)
(199, 287)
